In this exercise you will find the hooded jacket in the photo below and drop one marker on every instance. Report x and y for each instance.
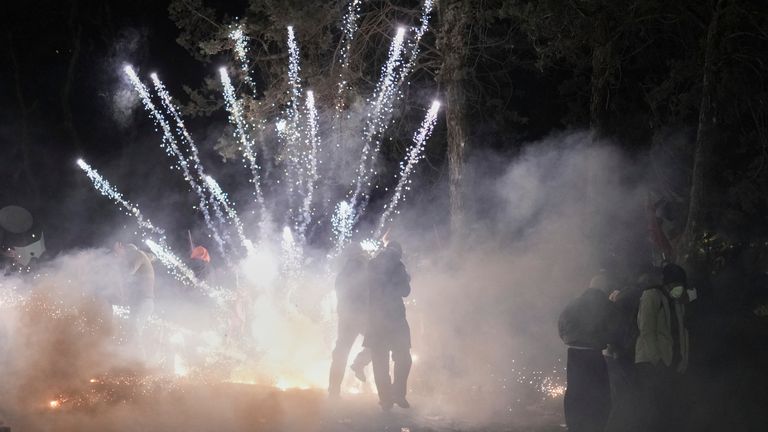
(655, 342)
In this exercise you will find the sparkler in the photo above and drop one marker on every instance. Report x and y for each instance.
(105, 188)
(414, 155)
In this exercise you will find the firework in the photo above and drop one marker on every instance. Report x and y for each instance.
(414, 155)
(241, 54)
(378, 118)
(349, 28)
(194, 158)
(342, 221)
(183, 273)
(311, 160)
(221, 197)
(105, 188)
(237, 118)
(172, 149)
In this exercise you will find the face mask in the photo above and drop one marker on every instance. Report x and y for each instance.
(676, 292)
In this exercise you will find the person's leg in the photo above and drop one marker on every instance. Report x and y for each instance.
(345, 338)
(402, 358)
(362, 360)
(578, 407)
(380, 360)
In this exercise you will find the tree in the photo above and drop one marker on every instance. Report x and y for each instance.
(453, 45)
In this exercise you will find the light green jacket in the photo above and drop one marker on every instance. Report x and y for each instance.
(655, 341)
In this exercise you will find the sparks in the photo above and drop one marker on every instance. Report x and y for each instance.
(414, 155)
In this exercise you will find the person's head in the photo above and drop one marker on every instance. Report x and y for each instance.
(200, 253)
(674, 280)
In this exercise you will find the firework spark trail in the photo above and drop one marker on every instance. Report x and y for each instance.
(241, 134)
(241, 53)
(183, 273)
(292, 258)
(221, 198)
(342, 223)
(194, 157)
(414, 155)
(377, 121)
(172, 149)
(292, 133)
(313, 145)
(105, 188)
(349, 28)
(413, 45)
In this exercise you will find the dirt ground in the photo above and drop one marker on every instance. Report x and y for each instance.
(239, 407)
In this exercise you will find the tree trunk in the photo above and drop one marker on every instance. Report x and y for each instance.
(602, 53)
(705, 140)
(453, 46)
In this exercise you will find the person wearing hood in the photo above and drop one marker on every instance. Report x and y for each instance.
(388, 332)
(661, 352)
(587, 325)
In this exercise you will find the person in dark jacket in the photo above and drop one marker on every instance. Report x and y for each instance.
(352, 307)
(388, 330)
(587, 325)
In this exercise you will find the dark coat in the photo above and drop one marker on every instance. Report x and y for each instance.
(590, 321)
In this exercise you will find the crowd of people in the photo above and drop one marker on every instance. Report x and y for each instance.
(631, 347)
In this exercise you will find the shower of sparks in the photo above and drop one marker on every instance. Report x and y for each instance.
(241, 53)
(292, 255)
(349, 28)
(370, 246)
(413, 45)
(236, 117)
(183, 273)
(414, 155)
(342, 221)
(194, 158)
(378, 118)
(293, 73)
(221, 197)
(105, 188)
(172, 149)
(310, 159)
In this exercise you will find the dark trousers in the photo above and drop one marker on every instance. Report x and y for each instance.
(348, 331)
(587, 400)
(391, 390)
(624, 395)
(661, 406)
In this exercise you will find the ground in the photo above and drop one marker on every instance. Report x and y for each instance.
(239, 407)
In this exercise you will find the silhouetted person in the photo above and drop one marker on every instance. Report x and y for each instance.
(388, 330)
(352, 307)
(587, 325)
(661, 353)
